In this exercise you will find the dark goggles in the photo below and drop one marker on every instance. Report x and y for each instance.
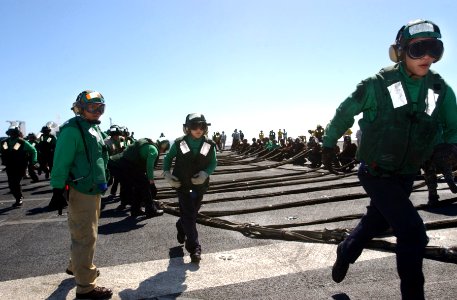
(431, 47)
(195, 126)
(95, 108)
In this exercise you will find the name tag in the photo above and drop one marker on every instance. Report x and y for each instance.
(432, 97)
(184, 147)
(205, 149)
(397, 94)
(95, 133)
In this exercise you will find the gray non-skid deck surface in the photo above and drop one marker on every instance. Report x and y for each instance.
(141, 259)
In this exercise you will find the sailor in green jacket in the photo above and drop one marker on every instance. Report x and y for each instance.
(17, 153)
(134, 167)
(33, 141)
(46, 145)
(407, 110)
(115, 144)
(195, 161)
(80, 162)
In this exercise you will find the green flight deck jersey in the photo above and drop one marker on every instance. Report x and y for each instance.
(80, 164)
(403, 119)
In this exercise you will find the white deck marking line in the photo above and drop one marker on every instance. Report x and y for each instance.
(170, 276)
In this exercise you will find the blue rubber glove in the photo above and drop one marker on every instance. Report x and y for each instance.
(102, 187)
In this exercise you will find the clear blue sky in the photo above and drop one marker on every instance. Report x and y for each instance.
(246, 64)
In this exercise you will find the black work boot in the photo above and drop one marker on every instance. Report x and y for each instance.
(98, 292)
(152, 210)
(153, 213)
(196, 255)
(137, 213)
(18, 202)
(121, 207)
(340, 267)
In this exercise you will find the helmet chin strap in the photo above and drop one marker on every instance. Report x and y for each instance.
(94, 122)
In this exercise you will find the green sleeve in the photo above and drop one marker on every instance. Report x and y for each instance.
(362, 100)
(149, 153)
(31, 151)
(213, 164)
(64, 155)
(168, 159)
(448, 117)
(105, 153)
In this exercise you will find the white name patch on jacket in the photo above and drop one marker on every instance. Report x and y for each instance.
(397, 94)
(205, 149)
(95, 133)
(184, 147)
(432, 97)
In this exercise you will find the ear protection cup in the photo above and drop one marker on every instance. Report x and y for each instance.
(394, 49)
(393, 53)
(76, 108)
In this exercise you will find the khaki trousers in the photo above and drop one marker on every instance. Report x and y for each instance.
(83, 215)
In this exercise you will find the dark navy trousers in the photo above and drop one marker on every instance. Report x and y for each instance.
(135, 186)
(390, 207)
(15, 175)
(189, 205)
